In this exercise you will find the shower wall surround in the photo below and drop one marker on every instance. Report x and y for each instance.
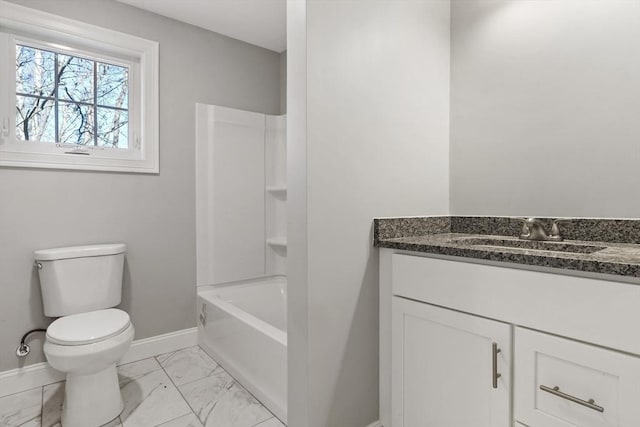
(240, 195)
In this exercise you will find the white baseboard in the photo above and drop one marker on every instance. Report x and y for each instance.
(149, 347)
(376, 424)
(32, 376)
(41, 374)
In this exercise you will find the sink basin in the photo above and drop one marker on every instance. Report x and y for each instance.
(530, 245)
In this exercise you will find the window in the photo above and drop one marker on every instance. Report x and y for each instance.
(70, 100)
(75, 96)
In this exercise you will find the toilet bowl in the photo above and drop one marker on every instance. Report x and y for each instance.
(86, 347)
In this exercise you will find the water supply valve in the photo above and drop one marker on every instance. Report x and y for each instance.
(24, 349)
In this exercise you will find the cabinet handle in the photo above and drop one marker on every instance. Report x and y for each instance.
(494, 363)
(588, 403)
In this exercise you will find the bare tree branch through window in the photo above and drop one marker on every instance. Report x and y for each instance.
(72, 100)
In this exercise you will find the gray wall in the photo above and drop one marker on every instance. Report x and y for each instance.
(153, 214)
(297, 224)
(545, 107)
(377, 111)
(283, 82)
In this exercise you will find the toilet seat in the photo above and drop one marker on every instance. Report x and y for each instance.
(88, 328)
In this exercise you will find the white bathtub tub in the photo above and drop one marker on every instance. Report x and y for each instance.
(243, 327)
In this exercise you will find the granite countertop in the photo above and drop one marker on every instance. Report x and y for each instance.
(608, 246)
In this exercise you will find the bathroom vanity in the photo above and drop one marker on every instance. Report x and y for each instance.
(479, 334)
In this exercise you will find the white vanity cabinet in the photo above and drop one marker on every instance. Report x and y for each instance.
(569, 347)
(449, 368)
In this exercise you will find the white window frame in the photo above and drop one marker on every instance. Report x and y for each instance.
(22, 25)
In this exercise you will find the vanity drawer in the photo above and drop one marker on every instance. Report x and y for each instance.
(555, 378)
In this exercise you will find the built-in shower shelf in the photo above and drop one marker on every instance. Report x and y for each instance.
(277, 242)
(277, 190)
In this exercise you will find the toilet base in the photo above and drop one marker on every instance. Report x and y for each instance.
(92, 400)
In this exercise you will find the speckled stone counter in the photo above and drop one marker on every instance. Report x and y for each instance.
(617, 252)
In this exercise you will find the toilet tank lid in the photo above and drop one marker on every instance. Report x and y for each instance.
(79, 251)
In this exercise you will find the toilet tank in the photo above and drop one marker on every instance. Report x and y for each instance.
(79, 279)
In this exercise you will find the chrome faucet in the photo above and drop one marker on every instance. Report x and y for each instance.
(533, 229)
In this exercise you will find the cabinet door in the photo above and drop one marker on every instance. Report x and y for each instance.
(449, 368)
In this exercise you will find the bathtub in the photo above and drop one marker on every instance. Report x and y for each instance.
(244, 328)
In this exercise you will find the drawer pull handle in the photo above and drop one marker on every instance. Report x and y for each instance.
(588, 403)
(494, 363)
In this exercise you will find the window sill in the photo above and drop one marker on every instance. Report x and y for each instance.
(77, 162)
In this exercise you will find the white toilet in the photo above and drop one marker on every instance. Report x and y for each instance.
(79, 286)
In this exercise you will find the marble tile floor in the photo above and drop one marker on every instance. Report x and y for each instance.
(185, 388)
